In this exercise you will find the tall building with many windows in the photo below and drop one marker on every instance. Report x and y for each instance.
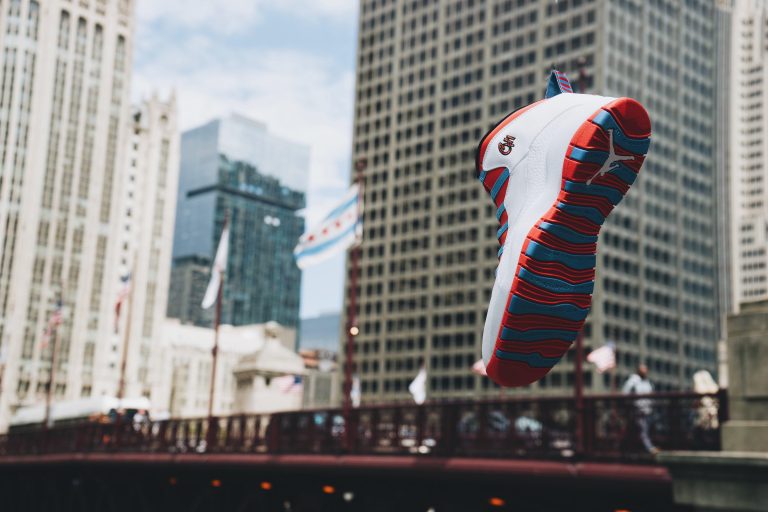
(234, 166)
(749, 150)
(64, 107)
(432, 77)
(148, 212)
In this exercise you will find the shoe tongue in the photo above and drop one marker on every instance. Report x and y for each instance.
(558, 83)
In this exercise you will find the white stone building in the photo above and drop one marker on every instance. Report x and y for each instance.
(65, 70)
(146, 236)
(257, 353)
(269, 379)
(749, 151)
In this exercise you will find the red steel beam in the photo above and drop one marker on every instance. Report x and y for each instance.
(644, 474)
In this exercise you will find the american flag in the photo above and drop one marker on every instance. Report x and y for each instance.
(122, 296)
(55, 320)
(289, 384)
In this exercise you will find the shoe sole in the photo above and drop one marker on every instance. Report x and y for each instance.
(551, 292)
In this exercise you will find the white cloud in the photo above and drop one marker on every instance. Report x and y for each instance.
(336, 9)
(224, 16)
(298, 95)
(203, 50)
(228, 16)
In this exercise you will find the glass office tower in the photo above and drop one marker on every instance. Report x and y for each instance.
(234, 166)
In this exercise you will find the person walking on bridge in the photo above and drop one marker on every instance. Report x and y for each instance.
(639, 384)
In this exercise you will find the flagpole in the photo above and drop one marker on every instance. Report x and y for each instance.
(51, 375)
(52, 370)
(352, 329)
(579, 363)
(127, 335)
(582, 75)
(215, 349)
(579, 391)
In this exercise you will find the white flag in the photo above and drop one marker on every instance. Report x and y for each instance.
(219, 267)
(354, 393)
(418, 387)
(339, 230)
(604, 357)
(479, 368)
(704, 383)
(288, 384)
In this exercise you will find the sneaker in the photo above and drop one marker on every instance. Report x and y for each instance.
(555, 169)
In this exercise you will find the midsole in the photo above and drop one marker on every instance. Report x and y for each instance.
(542, 137)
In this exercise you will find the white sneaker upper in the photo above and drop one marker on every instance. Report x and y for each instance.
(541, 138)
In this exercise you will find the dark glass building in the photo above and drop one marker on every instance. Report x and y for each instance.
(234, 167)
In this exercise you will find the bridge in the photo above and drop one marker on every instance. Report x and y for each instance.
(519, 454)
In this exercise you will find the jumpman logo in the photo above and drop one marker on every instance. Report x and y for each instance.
(612, 162)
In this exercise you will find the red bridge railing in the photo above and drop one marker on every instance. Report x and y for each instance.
(534, 428)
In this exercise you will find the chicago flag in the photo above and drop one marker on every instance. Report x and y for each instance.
(339, 230)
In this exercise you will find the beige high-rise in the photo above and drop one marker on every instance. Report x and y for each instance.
(148, 212)
(64, 110)
(432, 78)
(749, 151)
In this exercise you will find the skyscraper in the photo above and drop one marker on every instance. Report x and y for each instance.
(320, 332)
(749, 149)
(189, 280)
(234, 166)
(724, 40)
(148, 212)
(432, 77)
(64, 107)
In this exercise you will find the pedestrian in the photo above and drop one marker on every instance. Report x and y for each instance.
(139, 419)
(707, 424)
(639, 384)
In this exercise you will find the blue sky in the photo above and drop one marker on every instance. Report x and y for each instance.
(289, 63)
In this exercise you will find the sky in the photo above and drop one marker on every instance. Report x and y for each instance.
(288, 63)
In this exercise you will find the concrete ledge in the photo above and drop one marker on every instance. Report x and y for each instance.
(722, 458)
(745, 434)
(719, 481)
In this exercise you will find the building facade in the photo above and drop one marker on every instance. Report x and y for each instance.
(64, 109)
(749, 150)
(234, 167)
(432, 78)
(320, 332)
(182, 387)
(189, 279)
(149, 205)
